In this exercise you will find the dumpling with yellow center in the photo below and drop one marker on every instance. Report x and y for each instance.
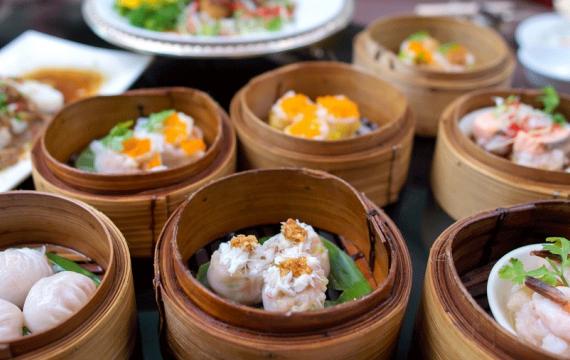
(294, 284)
(295, 239)
(341, 115)
(309, 126)
(419, 49)
(289, 108)
(236, 270)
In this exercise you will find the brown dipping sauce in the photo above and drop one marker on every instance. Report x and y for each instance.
(74, 84)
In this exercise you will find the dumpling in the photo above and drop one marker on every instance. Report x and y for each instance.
(236, 270)
(54, 299)
(11, 322)
(20, 269)
(294, 285)
(302, 238)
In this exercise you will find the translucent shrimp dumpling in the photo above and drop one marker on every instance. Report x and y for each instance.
(302, 238)
(20, 269)
(294, 284)
(236, 270)
(54, 299)
(11, 322)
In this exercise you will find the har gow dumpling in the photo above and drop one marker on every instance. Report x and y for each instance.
(294, 285)
(11, 322)
(20, 269)
(236, 270)
(54, 299)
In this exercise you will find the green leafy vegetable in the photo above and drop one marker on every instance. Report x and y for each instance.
(156, 121)
(263, 239)
(345, 275)
(202, 274)
(86, 160)
(25, 331)
(550, 101)
(157, 17)
(516, 273)
(418, 36)
(121, 132)
(559, 119)
(274, 24)
(559, 246)
(68, 265)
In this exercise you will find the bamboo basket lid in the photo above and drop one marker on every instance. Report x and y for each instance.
(486, 180)
(269, 196)
(455, 321)
(38, 218)
(376, 163)
(141, 214)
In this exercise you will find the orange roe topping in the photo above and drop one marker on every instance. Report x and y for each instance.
(175, 129)
(293, 231)
(296, 266)
(135, 147)
(306, 126)
(457, 55)
(192, 146)
(155, 161)
(339, 106)
(296, 104)
(247, 243)
(423, 55)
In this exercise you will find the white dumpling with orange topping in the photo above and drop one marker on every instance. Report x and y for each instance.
(11, 322)
(302, 239)
(236, 270)
(294, 284)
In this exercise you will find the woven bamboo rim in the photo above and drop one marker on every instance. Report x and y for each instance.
(430, 91)
(375, 163)
(91, 119)
(140, 215)
(487, 181)
(107, 323)
(453, 323)
(194, 316)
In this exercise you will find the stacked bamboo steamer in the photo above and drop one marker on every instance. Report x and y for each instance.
(430, 91)
(196, 323)
(138, 204)
(454, 321)
(106, 325)
(376, 163)
(483, 180)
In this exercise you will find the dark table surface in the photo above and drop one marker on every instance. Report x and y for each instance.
(416, 213)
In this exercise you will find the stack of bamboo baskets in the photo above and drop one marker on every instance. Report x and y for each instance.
(138, 204)
(376, 163)
(198, 323)
(106, 325)
(430, 91)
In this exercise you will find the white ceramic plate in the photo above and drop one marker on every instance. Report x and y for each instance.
(315, 20)
(544, 30)
(546, 66)
(499, 290)
(33, 50)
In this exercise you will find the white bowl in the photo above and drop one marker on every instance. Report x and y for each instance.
(544, 30)
(499, 290)
(546, 66)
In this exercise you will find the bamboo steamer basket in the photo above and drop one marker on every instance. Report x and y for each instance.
(376, 163)
(484, 180)
(430, 91)
(138, 205)
(197, 323)
(455, 321)
(105, 328)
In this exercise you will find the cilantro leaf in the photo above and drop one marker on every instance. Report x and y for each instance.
(559, 119)
(156, 121)
(274, 24)
(121, 132)
(514, 271)
(559, 246)
(549, 99)
(420, 35)
(545, 275)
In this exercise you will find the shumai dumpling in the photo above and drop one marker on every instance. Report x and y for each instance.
(294, 284)
(303, 238)
(11, 322)
(56, 298)
(236, 270)
(20, 269)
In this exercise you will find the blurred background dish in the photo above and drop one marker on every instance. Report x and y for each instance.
(74, 69)
(313, 21)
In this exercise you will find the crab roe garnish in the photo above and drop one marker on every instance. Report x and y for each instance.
(295, 104)
(307, 124)
(155, 161)
(293, 231)
(423, 55)
(296, 266)
(135, 147)
(339, 106)
(245, 242)
(175, 129)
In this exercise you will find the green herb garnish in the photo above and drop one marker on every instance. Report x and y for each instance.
(550, 101)
(3, 102)
(274, 24)
(156, 17)
(86, 160)
(418, 36)
(156, 121)
(68, 265)
(554, 276)
(447, 47)
(202, 274)
(25, 331)
(121, 132)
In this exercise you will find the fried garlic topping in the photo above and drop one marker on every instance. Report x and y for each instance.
(293, 231)
(247, 243)
(297, 267)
